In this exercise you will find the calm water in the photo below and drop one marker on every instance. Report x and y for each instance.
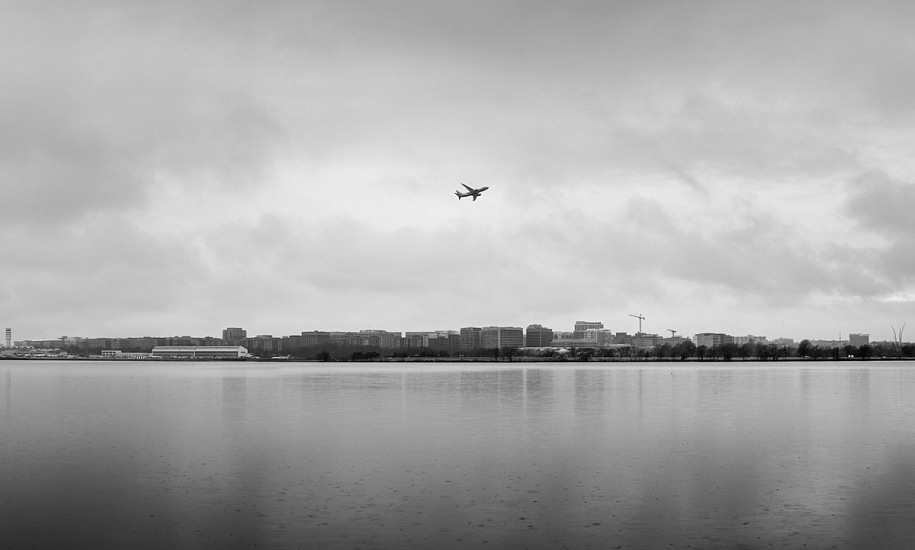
(146, 455)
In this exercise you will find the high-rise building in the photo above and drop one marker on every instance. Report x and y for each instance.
(854, 339)
(470, 338)
(233, 336)
(501, 337)
(582, 326)
(9, 337)
(538, 336)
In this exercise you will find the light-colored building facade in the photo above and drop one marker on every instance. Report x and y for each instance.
(118, 354)
(582, 326)
(199, 352)
(712, 339)
(750, 339)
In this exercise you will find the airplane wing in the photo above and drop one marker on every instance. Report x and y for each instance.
(469, 188)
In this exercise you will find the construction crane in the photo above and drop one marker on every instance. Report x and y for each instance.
(672, 332)
(641, 318)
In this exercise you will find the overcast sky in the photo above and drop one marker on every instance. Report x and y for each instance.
(173, 168)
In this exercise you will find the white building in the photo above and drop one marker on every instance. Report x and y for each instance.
(750, 339)
(199, 352)
(118, 354)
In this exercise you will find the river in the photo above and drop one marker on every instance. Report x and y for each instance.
(219, 455)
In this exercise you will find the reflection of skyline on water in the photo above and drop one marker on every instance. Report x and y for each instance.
(532, 455)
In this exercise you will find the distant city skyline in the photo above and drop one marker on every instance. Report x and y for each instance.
(744, 168)
(579, 330)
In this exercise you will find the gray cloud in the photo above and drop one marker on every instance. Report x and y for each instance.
(104, 105)
(583, 117)
(104, 273)
(882, 204)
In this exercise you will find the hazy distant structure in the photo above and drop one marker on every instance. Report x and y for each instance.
(470, 338)
(859, 340)
(582, 326)
(538, 336)
(501, 337)
(9, 337)
(233, 336)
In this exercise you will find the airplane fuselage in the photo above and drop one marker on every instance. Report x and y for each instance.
(471, 192)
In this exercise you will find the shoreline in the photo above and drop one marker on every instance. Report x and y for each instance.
(449, 360)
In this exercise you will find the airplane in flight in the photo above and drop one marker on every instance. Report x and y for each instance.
(471, 192)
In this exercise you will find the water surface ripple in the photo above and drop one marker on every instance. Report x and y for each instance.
(213, 455)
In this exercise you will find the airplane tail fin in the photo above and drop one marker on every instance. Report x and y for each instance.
(459, 195)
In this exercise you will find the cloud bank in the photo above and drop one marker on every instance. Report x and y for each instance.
(179, 167)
